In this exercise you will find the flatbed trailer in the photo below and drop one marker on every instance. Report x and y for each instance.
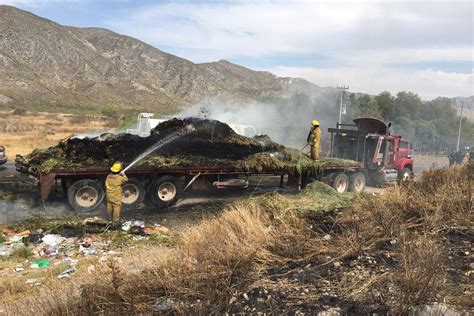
(84, 187)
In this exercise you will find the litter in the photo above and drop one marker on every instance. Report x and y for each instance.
(40, 264)
(137, 230)
(5, 250)
(70, 262)
(138, 224)
(25, 233)
(51, 250)
(65, 274)
(52, 240)
(164, 306)
(33, 282)
(86, 249)
(126, 226)
(16, 239)
(34, 238)
(162, 229)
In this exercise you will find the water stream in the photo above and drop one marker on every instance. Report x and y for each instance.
(166, 140)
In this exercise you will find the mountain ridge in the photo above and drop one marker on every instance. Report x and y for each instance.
(47, 63)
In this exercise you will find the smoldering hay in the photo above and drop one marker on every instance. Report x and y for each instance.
(209, 143)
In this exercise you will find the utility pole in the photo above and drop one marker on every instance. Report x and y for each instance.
(342, 88)
(460, 124)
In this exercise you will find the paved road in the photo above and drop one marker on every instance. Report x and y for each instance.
(422, 165)
(8, 172)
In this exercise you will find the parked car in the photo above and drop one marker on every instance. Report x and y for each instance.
(3, 155)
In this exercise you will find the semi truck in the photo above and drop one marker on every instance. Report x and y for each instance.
(370, 153)
(385, 157)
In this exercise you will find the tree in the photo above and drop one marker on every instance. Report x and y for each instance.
(408, 104)
(386, 103)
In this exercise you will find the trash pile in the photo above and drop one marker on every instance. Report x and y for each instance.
(66, 245)
(209, 143)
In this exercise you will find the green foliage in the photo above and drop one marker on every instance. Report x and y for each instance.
(110, 112)
(431, 125)
(22, 252)
(386, 104)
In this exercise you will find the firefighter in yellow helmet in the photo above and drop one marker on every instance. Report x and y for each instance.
(113, 187)
(314, 138)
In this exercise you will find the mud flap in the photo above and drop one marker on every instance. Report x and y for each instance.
(46, 184)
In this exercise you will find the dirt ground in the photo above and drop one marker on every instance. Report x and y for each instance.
(20, 133)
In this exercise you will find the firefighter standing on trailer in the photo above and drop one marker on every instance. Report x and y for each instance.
(314, 138)
(113, 187)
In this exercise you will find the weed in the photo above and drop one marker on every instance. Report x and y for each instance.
(22, 252)
(420, 272)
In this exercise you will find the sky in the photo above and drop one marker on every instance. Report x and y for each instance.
(371, 46)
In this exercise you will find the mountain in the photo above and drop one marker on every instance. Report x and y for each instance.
(47, 65)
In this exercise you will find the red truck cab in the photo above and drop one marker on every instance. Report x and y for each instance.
(385, 156)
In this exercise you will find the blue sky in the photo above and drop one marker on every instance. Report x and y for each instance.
(373, 45)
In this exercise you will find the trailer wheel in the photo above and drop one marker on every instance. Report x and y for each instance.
(85, 195)
(165, 191)
(133, 194)
(357, 182)
(340, 182)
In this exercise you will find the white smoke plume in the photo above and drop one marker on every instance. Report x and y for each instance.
(286, 121)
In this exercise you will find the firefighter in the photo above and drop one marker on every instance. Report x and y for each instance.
(113, 187)
(314, 138)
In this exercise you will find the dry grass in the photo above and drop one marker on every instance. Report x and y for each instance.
(20, 134)
(404, 230)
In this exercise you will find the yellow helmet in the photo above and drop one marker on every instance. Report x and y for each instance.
(315, 123)
(117, 167)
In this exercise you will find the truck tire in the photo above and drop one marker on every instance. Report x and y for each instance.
(357, 182)
(404, 176)
(165, 191)
(133, 194)
(379, 179)
(85, 195)
(341, 182)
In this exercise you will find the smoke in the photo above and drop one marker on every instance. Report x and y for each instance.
(285, 120)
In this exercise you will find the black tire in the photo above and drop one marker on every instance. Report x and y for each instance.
(65, 184)
(404, 176)
(85, 195)
(133, 194)
(357, 182)
(379, 179)
(340, 182)
(165, 191)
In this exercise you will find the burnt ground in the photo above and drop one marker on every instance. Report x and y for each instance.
(325, 283)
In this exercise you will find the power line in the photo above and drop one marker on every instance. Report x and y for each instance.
(342, 88)
(460, 124)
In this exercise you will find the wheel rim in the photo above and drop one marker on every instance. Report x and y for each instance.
(341, 185)
(87, 196)
(358, 184)
(405, 176)
(130, 193)
(166, 191)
